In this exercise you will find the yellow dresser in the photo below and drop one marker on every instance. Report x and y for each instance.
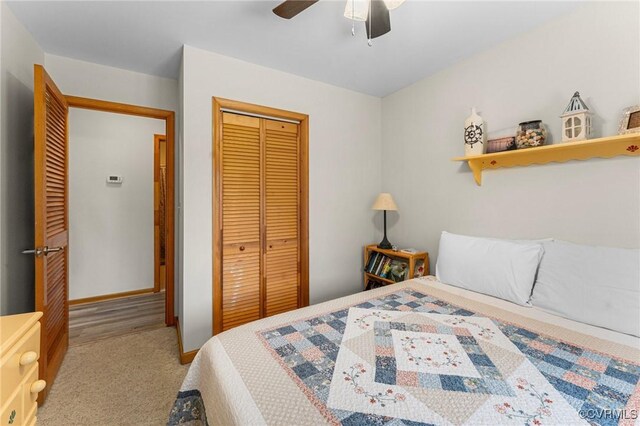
(19, 353)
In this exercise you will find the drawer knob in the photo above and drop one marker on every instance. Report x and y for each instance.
(38, 386)
(241, 248)
(28, 358)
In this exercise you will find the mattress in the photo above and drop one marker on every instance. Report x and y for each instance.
(417, 352)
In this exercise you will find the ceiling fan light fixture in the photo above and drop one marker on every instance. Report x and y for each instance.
(358, 10)
(393, 4)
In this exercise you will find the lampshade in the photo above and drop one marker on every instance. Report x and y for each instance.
(358, 10)
(384, 202)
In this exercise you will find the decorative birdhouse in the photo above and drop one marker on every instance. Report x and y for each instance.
(576, 120)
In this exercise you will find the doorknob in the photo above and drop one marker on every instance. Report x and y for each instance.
(39, 251)
(48, 250)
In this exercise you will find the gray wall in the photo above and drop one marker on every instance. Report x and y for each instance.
(19, 52)
(344, 177)
(594, 50)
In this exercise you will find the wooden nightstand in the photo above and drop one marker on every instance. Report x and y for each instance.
(374, 271)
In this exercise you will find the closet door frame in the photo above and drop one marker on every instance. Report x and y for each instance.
(220, 105)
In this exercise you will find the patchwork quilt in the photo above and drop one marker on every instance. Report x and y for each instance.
(409, 355)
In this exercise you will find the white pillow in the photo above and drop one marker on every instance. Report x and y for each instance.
(593, 285)
(500, 268)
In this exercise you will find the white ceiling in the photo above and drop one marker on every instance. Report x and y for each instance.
(147, 36)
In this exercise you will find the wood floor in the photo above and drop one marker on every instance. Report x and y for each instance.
(98, 320)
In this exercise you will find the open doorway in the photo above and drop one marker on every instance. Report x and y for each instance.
(117, 217)
(121, 226)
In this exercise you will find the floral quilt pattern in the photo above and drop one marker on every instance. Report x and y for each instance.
(408, 358)
(433, 357)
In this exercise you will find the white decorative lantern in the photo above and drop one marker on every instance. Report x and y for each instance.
(576, 120)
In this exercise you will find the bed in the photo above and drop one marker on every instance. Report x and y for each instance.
(417, 352)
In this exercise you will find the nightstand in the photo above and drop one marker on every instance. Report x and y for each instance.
(383, 267)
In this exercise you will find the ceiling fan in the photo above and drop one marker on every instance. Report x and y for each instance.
(375, 13)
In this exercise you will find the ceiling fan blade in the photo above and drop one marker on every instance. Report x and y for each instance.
(380, 21)
(290, 8)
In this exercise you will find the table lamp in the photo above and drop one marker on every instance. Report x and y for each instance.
(385, 202)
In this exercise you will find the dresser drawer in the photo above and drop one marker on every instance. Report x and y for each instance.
(22, 408)
(30, 398)
(27, 349)
(30, 418)
(12, 412)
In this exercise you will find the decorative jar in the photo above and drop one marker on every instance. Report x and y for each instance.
(531, 134)
(475, 136)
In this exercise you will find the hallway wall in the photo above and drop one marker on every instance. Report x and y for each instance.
(111, 226)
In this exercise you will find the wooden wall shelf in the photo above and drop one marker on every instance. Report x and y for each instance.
(608, 147)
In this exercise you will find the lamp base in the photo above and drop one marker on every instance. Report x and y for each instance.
(385, 244)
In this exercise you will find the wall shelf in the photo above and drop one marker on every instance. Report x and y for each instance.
(608, 147)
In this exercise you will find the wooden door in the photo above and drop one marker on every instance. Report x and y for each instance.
(281, 217)
(51, 223)
(159, 212)
(156, 213)
(241, 219)
(260, 221)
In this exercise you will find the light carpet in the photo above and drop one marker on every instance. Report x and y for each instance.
(125, 380)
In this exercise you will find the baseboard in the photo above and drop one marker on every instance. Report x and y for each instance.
(185, 358)
(111, 296)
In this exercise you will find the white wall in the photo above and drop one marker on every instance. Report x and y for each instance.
(344, 175)
(19, 52)
(80, 78)
(179, 201)
(594, 50)
(111, 227)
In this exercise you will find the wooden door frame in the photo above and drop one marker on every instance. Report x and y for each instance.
(157, 141)
(169, 118)
(220, 104)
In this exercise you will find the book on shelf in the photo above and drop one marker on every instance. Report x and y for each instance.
(375, 265)
(371, 261)
(384, 273)
(380, 265)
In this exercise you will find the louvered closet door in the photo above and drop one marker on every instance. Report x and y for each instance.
(282, 275)
(241, 248)
(51, 223)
